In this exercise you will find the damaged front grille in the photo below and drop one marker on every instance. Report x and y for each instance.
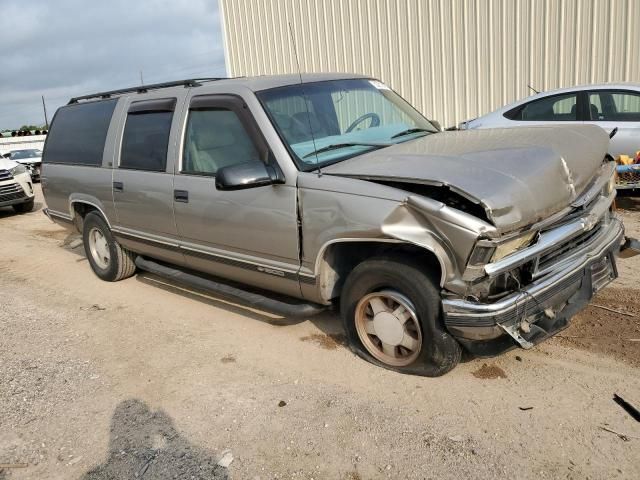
(566, 249)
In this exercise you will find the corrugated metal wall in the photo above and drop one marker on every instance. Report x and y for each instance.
(453, 59)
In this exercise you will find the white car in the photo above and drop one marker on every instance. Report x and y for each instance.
(30, 158)
(16, 188)
(608, 105)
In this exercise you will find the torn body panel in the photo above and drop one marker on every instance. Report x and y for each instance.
(448, 233)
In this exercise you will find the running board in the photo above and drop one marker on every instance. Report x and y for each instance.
(253, 300)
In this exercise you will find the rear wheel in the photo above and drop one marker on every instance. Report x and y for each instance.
(24, 207)
(392, 316)
(108, 259)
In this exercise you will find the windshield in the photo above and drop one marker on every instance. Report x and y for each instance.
(326, 122)
(21, 154)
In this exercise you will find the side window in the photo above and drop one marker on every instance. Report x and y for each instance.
(558, 108)
(215, 138)
(78, 133)
(146, 135)
(615, 106)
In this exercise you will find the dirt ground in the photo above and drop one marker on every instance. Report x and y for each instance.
(141, 379)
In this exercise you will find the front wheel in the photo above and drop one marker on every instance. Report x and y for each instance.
(108, 259)
(392, 316)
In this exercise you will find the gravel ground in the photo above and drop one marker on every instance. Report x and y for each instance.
(140, 379)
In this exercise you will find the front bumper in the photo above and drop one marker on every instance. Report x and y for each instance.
(18, 189)
(541, 309)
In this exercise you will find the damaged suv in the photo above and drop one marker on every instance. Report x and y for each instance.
(332, 190)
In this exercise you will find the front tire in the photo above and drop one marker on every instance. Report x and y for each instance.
(391, 312)
(108, 259)
(25, 207)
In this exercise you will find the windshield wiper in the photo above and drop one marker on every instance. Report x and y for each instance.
(335, 146)
(410, 131)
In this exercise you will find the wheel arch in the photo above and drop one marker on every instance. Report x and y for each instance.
(81, 205)
(337, 258)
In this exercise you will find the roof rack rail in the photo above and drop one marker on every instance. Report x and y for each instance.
(190, 82)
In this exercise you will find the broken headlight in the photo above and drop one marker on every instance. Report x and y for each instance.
(486, 251)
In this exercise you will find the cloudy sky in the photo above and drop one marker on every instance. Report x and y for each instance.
(66, 48)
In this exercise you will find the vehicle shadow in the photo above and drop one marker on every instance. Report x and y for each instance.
(213, 300)
(145, 444)
(331, 333)
(327, 322)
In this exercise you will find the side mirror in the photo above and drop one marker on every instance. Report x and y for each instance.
(248, 175)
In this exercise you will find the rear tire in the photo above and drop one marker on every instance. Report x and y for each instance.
(24, 207)
(391, 312)
(108, 259)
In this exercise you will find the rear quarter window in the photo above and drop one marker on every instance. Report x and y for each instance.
(78, 133)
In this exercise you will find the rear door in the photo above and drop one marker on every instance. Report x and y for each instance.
(249, 235)
(143, 179)
(617, 109)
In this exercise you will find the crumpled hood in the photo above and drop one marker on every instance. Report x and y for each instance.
(519, 175)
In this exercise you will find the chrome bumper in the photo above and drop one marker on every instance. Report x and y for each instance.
(549, 301)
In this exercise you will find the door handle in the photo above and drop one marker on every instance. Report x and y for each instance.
(118, 186)
(181, 196)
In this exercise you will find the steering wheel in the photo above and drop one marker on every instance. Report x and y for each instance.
(375, 121)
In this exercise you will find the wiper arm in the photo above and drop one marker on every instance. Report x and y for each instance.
(410, 131)
(336, 146)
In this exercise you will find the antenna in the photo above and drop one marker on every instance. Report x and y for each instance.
(531, 88)
(304, 96)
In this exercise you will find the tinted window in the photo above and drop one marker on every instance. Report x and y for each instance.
(216, 138)
(145, 140)
(558, 108)
(78, 133)
(615, 106)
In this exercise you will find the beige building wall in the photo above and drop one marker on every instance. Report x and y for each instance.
(452, 59)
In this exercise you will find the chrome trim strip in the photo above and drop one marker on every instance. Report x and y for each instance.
(53, 213)
(464, 308)
(240, 263)
(236, 259)
(125, 232)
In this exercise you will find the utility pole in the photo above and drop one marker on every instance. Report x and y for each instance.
(46, 120)
(141, 79)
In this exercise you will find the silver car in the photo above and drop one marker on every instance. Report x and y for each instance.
(609, 105)
(294, 195)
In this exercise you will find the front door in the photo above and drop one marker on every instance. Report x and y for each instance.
(246, 235)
